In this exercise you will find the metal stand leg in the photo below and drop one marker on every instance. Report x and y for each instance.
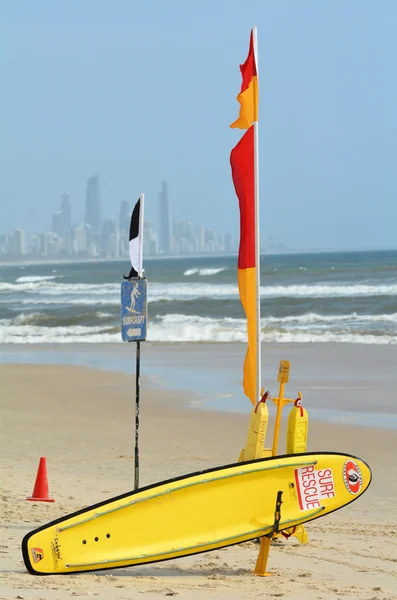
(136, 458)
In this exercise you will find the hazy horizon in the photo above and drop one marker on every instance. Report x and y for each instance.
(142, 93)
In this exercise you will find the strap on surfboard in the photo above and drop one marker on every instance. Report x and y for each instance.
(277, 515)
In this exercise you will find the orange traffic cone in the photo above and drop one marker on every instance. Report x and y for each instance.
(40, 491)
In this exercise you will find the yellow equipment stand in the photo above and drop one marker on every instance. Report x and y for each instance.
(255, 448)
(298, 422)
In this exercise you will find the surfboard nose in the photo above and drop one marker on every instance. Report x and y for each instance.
(357, 475)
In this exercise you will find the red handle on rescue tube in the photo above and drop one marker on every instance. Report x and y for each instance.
(263, 399)
(298, 403)
(288, 535)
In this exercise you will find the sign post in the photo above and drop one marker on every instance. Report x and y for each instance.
(133, 329)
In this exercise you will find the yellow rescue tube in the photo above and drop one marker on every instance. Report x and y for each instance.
(196, 513)
(298, 426)
(257, 429)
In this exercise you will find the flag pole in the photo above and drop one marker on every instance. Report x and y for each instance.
(141, 217)
(138, 357)
(257, 237)
(260, 567)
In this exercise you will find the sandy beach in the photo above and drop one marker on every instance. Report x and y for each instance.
(82, 420)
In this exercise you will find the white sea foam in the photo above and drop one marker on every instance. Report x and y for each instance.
(35, 278)
(93, 302)
(51, 288)
(181, 328)
(31, 317)
(327, 337)
(328, 291)
(175, 327)
(309, 318)
(203, 272)
(34, 334)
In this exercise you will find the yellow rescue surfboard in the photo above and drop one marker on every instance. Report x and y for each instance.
(197, 513)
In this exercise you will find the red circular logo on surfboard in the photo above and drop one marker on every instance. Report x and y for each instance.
(352, 476)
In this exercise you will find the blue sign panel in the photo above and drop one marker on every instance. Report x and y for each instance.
(133, 310)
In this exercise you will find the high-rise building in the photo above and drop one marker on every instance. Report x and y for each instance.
(185, 238)
(18, 242)
(3, 243)
(61, 220)
(67, 246)
(35, 245)
(93, 212)
(57, 223)
(149, 239)
(53, 244)
(110, 239)
(81, 240)
(165, 220)
(43, 241)
(200, 233)
(65, 208)
(125, 216)
(228, 243)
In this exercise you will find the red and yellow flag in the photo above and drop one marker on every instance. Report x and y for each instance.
(248, 96)
(242, 163)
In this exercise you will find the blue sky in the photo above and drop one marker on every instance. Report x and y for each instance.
(145, 91)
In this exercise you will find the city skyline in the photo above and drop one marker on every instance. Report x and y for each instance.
(99, 236)
(90, 192)
(102, 236)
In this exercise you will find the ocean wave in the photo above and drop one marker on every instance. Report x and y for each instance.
(175, 327)
(35, 278)
(328, 291)
(295, 322)
(203, 272)
(55, 319)
(61, 301)
(43, 287)
(33, 334)
(290, 337)
(171, 291)
(188, 333)
(189, 328)
(179, 328)
(309, 318)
